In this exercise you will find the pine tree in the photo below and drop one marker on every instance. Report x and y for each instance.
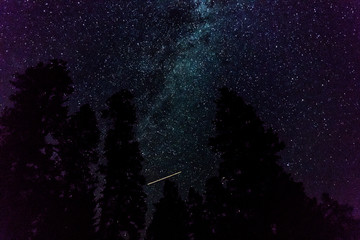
(30, 130)
(123, 204)
(260, 199)
(215, 209)
(197, 225)
(248, 156)
(78, 154)
(339, 219)
(170, 216)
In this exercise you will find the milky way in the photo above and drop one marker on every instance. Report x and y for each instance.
(297, 63)
(175, 132)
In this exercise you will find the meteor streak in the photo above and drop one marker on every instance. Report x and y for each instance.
(163, 178)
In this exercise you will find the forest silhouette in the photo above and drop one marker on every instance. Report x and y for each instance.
(48, 181)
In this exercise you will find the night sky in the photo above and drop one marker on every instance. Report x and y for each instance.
(297, 63)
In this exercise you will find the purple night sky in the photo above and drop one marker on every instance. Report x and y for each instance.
(297, 63)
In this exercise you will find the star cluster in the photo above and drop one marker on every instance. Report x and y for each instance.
(296, 62)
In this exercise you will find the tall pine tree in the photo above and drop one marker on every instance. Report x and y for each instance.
(123, 204)
(78, 154)
(259, 199)
(197, 225)
(30, 128)
(170, 219)
(215, 209)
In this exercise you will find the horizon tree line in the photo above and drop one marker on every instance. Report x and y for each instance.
(47, 157)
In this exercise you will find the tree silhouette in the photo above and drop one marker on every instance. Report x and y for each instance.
(170, 216)
(215, 211)
(123, 204)
(31, 127)
(339, 219)
(248, 166)
(254, 198)
(198, 227)
(78, 153)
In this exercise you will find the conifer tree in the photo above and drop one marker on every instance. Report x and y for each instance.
(78, 153)
(30, 128)
(339, 219)
(260, 199)
(123, 204)
(215, 210)
(198, 227)
(170, 216)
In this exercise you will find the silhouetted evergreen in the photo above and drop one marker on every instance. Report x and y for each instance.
(340, 220)
(170, 219)
(254, 198)
(215, 210)
(197, 226)
(30, 128)
(123, 204)
(78, 153)
(247, 170)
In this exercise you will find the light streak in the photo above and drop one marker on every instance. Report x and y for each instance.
(163, 178)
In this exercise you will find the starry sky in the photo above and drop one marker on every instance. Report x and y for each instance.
(295, 62)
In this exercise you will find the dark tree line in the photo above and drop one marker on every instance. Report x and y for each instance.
(48, 157)
(252, 197)
(123, 205)
(48, 175)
